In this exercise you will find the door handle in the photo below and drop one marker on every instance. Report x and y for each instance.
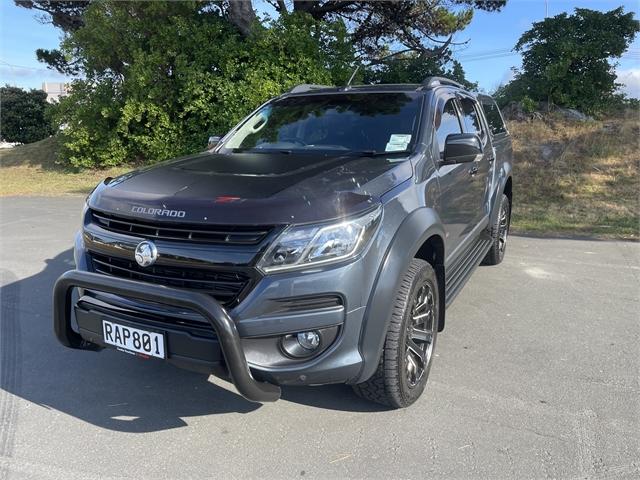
(473, 170)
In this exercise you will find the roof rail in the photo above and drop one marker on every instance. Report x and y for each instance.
(307, 87)
(431, 82)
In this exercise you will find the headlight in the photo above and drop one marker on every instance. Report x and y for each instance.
(300, 246)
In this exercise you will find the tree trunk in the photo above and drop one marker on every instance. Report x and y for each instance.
(242, 15)
(303, 5)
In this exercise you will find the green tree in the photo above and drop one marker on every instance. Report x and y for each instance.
(567, 59)
(161, 76)
(425, 27)
(24, 115)
(411, 67)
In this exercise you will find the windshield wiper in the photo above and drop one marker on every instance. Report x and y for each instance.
(375, 153)
(261, 150)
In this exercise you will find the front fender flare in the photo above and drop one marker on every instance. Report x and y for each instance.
(420, 225)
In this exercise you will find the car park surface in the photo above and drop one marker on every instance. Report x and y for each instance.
(536, 377)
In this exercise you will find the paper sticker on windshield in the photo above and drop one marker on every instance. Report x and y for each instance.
(398, 142)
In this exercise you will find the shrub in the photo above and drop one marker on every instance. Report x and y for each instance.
(528, 104)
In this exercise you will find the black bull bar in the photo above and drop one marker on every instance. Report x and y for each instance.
(224, 326)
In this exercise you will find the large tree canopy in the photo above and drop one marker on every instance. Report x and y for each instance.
(567, 59)
(159, 77)
(425, 27)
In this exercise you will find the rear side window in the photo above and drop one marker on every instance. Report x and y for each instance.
(471, 117)
(447, 124)
(492, 114)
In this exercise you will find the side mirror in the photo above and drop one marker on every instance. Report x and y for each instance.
(214, 140)
(461, 148)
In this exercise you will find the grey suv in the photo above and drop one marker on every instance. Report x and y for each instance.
(318, 242)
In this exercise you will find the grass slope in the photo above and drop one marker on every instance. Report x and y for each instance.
(32, 170)
(577, 178)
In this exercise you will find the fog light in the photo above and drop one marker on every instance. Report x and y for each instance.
(309, 340)
(303, 344)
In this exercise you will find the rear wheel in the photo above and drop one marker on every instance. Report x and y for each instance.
(499, 234)
(408, 348)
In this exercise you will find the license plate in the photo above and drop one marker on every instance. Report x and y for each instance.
(133, 340)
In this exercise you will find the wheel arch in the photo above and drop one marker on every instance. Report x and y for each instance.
(420, 235)
(432, 251)
(504, 187)
(508, 190)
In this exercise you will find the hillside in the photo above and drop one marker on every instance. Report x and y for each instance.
(577, 178)
(32, 170)
(570, 178)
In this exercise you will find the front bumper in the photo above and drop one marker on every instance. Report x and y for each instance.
(224, 327)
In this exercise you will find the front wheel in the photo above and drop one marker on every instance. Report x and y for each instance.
(408, 348)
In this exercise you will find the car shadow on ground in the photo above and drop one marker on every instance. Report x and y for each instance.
(110, 389)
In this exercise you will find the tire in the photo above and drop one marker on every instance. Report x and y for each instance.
(402, 372)
(499, 233)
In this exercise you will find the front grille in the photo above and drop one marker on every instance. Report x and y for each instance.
(226, 286)
(228, 235)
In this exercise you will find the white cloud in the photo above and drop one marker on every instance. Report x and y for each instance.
(630, 80)
(28, 77)
(11, 71)
(507, 76)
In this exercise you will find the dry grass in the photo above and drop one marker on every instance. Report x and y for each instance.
(577, 178)
(32, 170)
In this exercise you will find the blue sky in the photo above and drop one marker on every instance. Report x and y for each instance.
(491, 35)
(497, 32)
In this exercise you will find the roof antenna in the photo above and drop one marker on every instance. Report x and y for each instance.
(352, 77)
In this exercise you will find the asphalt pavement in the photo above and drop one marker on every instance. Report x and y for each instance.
(537, 375)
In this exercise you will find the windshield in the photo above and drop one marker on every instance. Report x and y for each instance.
(350, 122)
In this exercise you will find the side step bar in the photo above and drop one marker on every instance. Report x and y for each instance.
(462, 270)
(224, 326)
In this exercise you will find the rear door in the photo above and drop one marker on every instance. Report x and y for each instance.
(481, 169)
(499, 134)
(500, 140)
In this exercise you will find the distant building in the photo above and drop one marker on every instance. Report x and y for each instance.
(55, 90)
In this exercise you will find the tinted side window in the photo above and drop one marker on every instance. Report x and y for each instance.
(472, 123)
(447, 123)
(491, 112)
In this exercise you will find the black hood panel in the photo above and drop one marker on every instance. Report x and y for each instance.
(253, 188)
